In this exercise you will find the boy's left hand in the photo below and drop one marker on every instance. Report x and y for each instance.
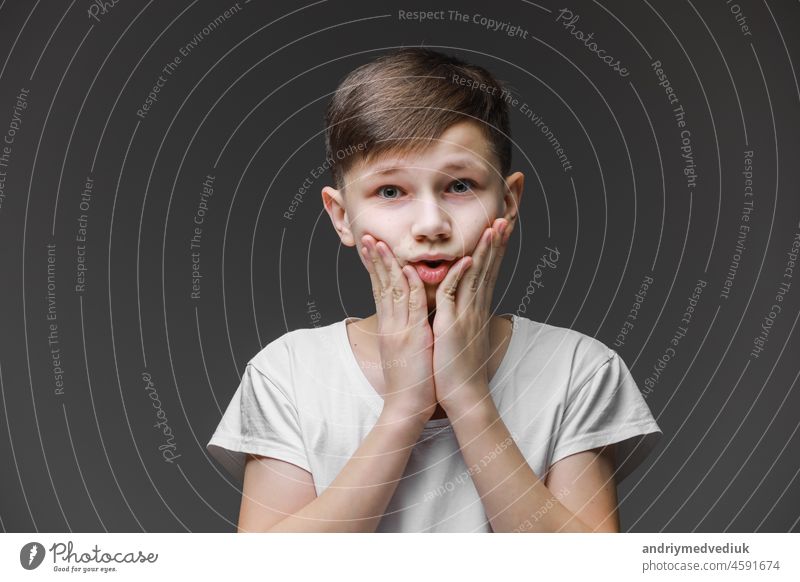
(461, 348)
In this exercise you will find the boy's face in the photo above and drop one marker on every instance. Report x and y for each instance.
(435, 202)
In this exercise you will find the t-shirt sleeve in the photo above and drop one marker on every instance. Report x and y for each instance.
(608, 408)
(261, 420)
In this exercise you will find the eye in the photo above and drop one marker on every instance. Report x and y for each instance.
(392, 192)
(463, 185)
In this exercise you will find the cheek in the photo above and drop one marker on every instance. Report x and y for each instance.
(385, 233)
(474, 237)
(473, 229)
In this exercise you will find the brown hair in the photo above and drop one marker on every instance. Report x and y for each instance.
(403, 100)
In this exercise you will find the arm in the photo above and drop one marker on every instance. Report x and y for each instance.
(514, 497)
(358, 497)
(354, 502)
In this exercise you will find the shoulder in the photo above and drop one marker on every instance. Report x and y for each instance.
(568, 348)
(299, 349)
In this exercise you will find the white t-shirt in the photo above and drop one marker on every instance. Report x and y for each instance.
(304, 399)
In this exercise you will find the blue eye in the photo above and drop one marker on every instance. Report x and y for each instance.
(463, 183)
(394, 189)
(462, 186)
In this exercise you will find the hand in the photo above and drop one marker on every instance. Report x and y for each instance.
(462, 347)
(404, 333)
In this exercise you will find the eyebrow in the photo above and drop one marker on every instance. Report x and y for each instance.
(392, 168)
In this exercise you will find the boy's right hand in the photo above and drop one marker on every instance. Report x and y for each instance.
(404, 334)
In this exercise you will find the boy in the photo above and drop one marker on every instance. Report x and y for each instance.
(431, 414)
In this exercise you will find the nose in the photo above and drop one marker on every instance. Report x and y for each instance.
(431, 221)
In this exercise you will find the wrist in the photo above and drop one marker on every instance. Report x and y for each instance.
(402, 419)
(481, 410)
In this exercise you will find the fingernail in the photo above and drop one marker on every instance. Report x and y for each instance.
(502, 226)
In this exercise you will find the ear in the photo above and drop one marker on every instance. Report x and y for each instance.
(333, 200)
(512, 195)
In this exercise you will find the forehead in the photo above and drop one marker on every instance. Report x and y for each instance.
(462, 146)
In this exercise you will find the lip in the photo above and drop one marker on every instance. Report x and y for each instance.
(432, 275)
(431, 257)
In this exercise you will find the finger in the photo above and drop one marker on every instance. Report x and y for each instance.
(373, 277)
(369, 242)
(398, 290)
(378, 266)
(446, 292)
(498, 251)
(473, 279)
(380, 272)
(417, 300)
(492, 246)
(507, 232)
(384, 269)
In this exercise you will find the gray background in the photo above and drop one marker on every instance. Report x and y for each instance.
(246, 105)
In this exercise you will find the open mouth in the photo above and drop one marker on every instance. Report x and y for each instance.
(433, 264)
(432, 272)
